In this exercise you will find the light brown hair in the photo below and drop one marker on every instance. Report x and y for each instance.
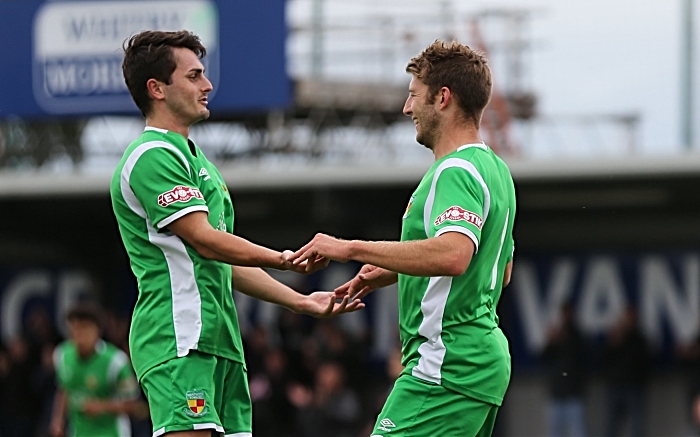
(464, 71)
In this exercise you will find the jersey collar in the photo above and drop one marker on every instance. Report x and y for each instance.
(157, 129)
(480, 145)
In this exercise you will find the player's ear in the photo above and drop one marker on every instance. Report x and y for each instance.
(156, 89)
(444, 97)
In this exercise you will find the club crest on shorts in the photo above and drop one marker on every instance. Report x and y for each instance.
(196, 404)
(457, 213)
(179, 194)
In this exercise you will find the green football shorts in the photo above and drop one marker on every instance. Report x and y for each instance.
(199, 391)
(417, 408)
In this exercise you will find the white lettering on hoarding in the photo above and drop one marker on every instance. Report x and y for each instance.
(537, 314)
(88, 28)
(77, 48)
(602, 298)
(69, 286)
(96, 76)
(662, 301)
(662, 296)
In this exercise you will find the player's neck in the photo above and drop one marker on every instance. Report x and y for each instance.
(88, 352)
(452, 139)
(169, 123)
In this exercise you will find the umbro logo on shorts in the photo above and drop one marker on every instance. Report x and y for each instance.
(386, 424)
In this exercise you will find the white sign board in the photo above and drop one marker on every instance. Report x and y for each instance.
(77, 51)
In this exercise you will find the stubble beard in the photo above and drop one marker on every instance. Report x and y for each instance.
(201, 116)
(430, 129)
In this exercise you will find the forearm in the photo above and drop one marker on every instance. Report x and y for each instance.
(113, 406)
(119, 406)
(59, 407)
(234, 250)
(256, 283)
(430, 257)
(222, 246)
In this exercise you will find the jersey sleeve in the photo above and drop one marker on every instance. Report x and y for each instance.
(459, 205)
(165, 187)
(511, 252)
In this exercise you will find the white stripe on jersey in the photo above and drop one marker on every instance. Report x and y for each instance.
(432, 351)
(494, 274)
(448, 163)
(116, 364)
(127, 193)
(461, 230)
(124, 425)
(187, 303)
(181, 213)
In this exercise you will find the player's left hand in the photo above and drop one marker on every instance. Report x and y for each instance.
(323, 305)
(324, 246)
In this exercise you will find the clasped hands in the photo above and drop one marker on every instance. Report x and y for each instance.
(316, 255)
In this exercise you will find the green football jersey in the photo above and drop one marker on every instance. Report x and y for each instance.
(448, 325)
(104, 375)
(185, 301)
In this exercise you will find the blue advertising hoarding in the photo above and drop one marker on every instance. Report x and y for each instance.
(664, 287)
(63, 58)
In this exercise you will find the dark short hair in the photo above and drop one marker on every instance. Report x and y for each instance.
(149, 55)
(464, 71)
(85, 311)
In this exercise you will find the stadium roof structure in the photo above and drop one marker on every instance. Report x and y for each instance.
(40, 184)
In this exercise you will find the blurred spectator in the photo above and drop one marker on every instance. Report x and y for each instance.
(273, 413)
(256, 345)
(302, 350)
(97, 386)
(336, 346)
(625, 365)
(689, 356)
(378, 396)
(565, 358)
(18, 414)
(42, 337)
(116, 330)
(331, 408)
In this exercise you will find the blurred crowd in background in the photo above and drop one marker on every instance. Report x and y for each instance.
(309, 378)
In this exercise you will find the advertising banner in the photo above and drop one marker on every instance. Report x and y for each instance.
(65, 56)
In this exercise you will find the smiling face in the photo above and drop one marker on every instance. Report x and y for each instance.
(186, 96)
(423, 113)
